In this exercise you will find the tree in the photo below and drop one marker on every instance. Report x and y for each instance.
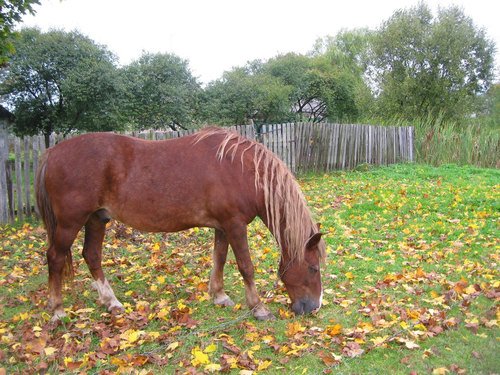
(160, 92)
(320, 88)
(492, 105)
(246, 95)
(59, 81)
(349, 51)
(11, 12)
(431, 66)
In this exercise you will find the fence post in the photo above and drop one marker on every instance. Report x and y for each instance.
(4, 155)
(18, 173)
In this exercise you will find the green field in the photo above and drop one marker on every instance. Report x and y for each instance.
(411, 283)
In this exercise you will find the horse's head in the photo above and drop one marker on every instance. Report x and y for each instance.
(303, 279)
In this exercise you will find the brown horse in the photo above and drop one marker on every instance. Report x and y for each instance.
(214, 178)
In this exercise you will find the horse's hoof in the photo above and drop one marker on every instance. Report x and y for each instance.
(116, 310)
(224, 301)
(58, 314)
(268, 316)
(263, 313)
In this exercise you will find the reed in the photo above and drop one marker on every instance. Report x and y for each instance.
(438, 141)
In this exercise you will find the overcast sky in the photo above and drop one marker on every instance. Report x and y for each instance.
(216, 35)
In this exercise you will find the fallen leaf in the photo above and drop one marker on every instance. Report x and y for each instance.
(198, 357)
(440, 371)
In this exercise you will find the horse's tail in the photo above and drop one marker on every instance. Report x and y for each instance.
(45, 211)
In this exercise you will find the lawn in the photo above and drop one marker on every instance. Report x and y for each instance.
(411, 285)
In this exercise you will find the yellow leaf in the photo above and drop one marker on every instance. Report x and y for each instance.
(267, 339)
(294, 328)
(470, 290)
(164, 313)
(349, 275)
(411, 345)
(199, 358)
(251, 336)
(440, 371)
(132, 336)
(434, 294)
(67, 360)
(210, 348)
(264, 365)
(333, 330)
(420, 327)
(377, 341)
(237, 307)
(213, 367)
(172, 346)
(346, 303)
(21, 316)
(420, 274)
(49, 351)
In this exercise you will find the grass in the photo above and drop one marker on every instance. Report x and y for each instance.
(409, 285)
(438, 141)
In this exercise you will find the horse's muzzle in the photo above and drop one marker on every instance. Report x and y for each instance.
(305, 306)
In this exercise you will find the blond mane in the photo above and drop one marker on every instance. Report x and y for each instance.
(289, 218)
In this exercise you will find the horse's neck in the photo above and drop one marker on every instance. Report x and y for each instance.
(280, 234)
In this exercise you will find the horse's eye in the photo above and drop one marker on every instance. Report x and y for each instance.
(313, 269)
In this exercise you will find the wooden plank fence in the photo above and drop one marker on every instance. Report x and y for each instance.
(302, 146)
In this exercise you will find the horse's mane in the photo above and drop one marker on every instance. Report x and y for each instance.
(284, 201)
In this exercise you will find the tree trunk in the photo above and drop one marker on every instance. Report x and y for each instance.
(47, 139)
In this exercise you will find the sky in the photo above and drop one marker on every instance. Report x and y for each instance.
(216, 35)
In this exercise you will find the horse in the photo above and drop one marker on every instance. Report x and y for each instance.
(214, 178)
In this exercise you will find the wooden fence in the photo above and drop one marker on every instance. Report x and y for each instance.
(302, 146)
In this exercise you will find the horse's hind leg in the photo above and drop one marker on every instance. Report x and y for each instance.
(92, 253)
(216, 287)
(59, 258)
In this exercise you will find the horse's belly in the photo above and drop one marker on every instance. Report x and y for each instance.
(163, 221)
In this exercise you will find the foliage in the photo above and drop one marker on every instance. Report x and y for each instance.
(349, 50)
(430, 66)
(492, 105)
(59, 81)
(245, 94)
(414, 67)
(11, 12)
(320, 89)
(286, 88)
(410, 286)
(160, 92)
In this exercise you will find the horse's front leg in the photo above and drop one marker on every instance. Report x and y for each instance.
(237, 237)
(92, 253)
(219, 255)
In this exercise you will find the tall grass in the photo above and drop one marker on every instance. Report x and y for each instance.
(439, 141)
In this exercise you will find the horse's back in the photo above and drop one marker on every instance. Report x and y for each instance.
(151, 185)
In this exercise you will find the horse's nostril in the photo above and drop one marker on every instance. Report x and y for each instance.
(298, 307)
(305, 307)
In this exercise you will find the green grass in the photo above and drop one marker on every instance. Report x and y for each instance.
(413, 256)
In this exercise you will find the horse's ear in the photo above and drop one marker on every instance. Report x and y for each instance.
(313, 241)
(318, 225)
